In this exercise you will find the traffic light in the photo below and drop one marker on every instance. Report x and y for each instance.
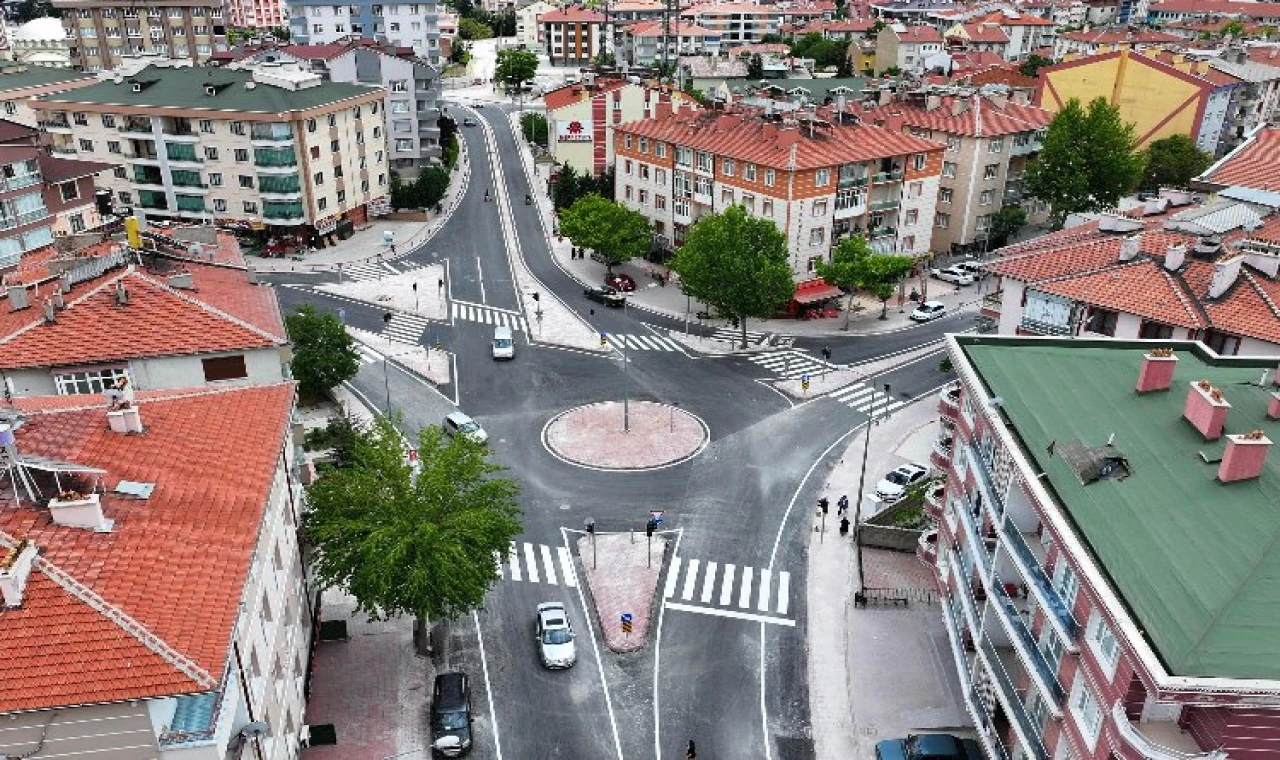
(591, 526)
(649, 527)
(386, 317)
(823, 504)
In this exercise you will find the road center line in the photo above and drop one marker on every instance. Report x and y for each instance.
(480, 280)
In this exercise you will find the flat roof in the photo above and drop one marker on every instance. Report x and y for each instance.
(39, 76)
(1196, 561)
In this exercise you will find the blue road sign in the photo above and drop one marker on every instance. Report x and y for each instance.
(626, 617)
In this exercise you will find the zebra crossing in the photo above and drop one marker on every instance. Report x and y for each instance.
(367, 355)
(641, 342)
(790, 364)
(489, 315)
(405, 328)
(730, 334)
(728, 590)
(865, 398)
(538, 563)
(376, 270)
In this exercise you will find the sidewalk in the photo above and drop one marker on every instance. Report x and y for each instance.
(876, 673)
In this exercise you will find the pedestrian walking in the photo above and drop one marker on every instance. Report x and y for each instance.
(843, 505)
(691, 752)
(844, 526)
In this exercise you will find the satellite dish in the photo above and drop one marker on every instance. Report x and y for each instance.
(254, 730)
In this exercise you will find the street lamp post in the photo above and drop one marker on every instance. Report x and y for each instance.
(862, 477)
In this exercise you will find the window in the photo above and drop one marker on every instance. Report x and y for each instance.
(400, 106)
(944, 195)
(912, 217)
(86, 145)
(319, 178)
(403, 144)
(660, 149)
(626, 140)
(108, 121)
(642, 196)
(90, 381)
(817, 236)
(342, 196)
(749, 172)
(821, 178)
(948, 169)
(246, 181)
(659, 201)
(215, 179)
(626, 166)
(69, 191)
(1085, 708)
(1103, 643)
(120, 172)
(10, 107)
(766, 207)
(399, 85)
(242, 154)
(250, 207)
(660, 176)
(113, 146)
(1222, 343)
(333, 120)
(917, 161)
(1064, 576)
(726, 167)
(768, 177)
(334, 147)
(915, 189)
(953, 142)
(77, 223)
(749, 202)
(985, 198)
(626, 191)
(644, 144)
(1102, 321)
(820, 208)
(219, 205)
(224, 368)
(995, 145)
(322, 203)
(990, 171)
(726, 196)
(237, 127)
(644, 171)
(942, 221)
(210, 153)
(206, 126)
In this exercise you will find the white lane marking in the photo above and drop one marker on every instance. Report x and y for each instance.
(729, 614)
(708, 582)
(497, 560)
(488, 687)
(673, 573)
(531, 563)
(784, 591)
(480, 279)
(513, 557)
(548, 565)
(763, 604)
(566, 567)
(744, 598)
(726, 586)
(690, 578)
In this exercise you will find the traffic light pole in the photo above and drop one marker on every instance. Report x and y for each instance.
(857, 511)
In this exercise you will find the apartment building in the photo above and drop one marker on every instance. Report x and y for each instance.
(581, 118)
(817, 177)
(183, 576)
(257, 14)
(20, 84)
(42, 197)
(103, 32)
(977, 38)
(572, 36)
(906, 48)
(412, 25)
(989, 140)
(643, 43)
(528, 28)
(274, 147)
(1106, 40)
(736, 23)
(1096, 608)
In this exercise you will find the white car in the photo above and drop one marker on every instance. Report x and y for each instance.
(970, 267)
(457, 423)
(555, 637)
(954, 274)
(894, 485)
(927, 311)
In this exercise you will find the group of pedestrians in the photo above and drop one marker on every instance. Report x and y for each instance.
(842, 511)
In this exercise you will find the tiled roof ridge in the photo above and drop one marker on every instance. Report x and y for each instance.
(1108, 267)
(145, 397)
(1185, 295)
(39, 315)
(1250, 278)
(211, 309)
(137, 630)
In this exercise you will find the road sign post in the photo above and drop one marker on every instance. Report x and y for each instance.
(804, 383)
(591, 528)
(626, 623)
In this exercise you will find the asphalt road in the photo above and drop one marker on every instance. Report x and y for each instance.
(712, 671)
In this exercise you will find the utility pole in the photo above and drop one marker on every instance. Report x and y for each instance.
(666, 36)
(857, 510)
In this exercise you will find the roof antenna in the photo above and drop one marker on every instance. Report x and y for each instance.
(1111, 439)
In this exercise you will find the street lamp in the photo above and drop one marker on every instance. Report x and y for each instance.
(862, 477)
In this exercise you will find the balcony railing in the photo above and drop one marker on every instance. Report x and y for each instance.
(982, 474)
(282, 211)
(881, 232)
(973, 531)
(993, 301)
(847, 182)
(1027, 731)
(1044, 328)
(1149, 749)
(977, 707)
(26, 217)
(189, 203)
(1025, 643)
(891, 176)
(286, 185)
(1045, 591)
(54, 122)
(885, 205)
(181, 152)
(271, 132)
(272, 158)
(186, 179)
(141, 127)
(972, 613)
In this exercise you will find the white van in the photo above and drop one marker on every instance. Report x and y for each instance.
(504, 346)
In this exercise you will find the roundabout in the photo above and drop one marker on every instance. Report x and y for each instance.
(630, 437)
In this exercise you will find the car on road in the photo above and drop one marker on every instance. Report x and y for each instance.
(953, 274)
(927, 311)
(894, 485)
(451, 715)
(620, 281)
(457, 423)
(609, 296)
(929, 747)
(555, 637)
(468, 122)
(972, 268)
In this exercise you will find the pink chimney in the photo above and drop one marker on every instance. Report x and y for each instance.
(1157, 369)
(1205, 409)
(1244, 456)
(1273, 406)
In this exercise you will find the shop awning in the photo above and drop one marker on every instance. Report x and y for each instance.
(815, 290)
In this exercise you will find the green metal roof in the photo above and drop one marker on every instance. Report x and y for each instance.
(185, 88)
(39, 76)
(1196, 561)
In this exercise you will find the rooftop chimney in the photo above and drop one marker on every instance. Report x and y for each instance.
(15, 566)
(1157, 369)
(932, 102)
(18, 298)
(959, 106)
(1206, 409)
(49, 312)
(1244, 456)
(1174, 256)
(1273, 406)
(125, 419)
(76, 510)
(1224, 275)
(1130, 245)
(58, 301)
(182, 281)
(122, 293)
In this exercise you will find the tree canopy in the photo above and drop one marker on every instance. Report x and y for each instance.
(471, 29)
(570, 185)
(514, 67)
(412, 544)
(1031, 67)
(616, 232)
(1087, 163)
(1173, 162)
(854, 266)
(823, 51)
(1004, 223)
(737, 264)
(323, 352)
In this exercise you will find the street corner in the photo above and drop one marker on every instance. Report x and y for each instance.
(622, 571)
(628, 436)
(433, 365)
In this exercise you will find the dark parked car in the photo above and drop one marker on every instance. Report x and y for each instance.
(929, 747)
(451, 715)
(605, 295)
(624, 282)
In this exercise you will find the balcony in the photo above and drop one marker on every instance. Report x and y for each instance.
(1172, 744)
(886, 204)
(27, 217)
(992, 303)
(188, 179)
(971, 517)
(982, 474)
(964, 592)
(1012, 197)
(890, 176)
(148, 175)
(180, 129)
(847, 182)
(933, 500)
(1037, 327)
(63, 150)
(280, 186)
(991, 743)
(881, 232)
(190, 203)
(1032, 570)
(283, 213)
(940, 457)
(181, 153)
(271, 134)
(949, 401)
(998, 665)
(56, 123)
(275, 160)
(1011, 613)
(136, 128)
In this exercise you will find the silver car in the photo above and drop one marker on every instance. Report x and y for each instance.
(555, 637)
(927, 311)
(457, 423)
(954, 274)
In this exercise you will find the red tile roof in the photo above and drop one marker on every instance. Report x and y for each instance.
(1255, 164)
(1006, 18)
(1215, 7)
(679, 29)
(746, 137)
(573, 93)
(982, 118)
(175, 563)
(571, 16)
(1160, 295)
(1114, 37)
(917, 34)
(984, 33)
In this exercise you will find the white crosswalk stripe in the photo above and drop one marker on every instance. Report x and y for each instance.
(472, 312)
(790, 364)
(537, 563)
(691, 585)
(367, 355)
(376, 270)
(641, 342)
(729, 334)
(865, 399)
(405, 328)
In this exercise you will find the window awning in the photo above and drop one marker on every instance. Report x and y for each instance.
(815, 290)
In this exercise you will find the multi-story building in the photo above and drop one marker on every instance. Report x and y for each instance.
(642, 43)
(20, 84)
(42, 197)
(815, 177)
(257, 14)
(980, 37)
(736, 23)
(42, 42)
(572, 36)
(581, 118)
(906, 48)
(528, 28)
(130, 537)
(275, 146)
(1161, 11)
(1097, 604)
(103, 32)
(1107, 40)
(412, 25)
(989, 142)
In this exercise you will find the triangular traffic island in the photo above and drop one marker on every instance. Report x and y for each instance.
(623, 581)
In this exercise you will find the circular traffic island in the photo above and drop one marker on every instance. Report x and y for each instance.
(652, 436)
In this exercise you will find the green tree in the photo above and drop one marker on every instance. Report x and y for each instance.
(432, 185)
(533, 126)
(1232, 29)
(892, 71)
(1174, 162)
(737, 264)
(1087, 163)
(470, 29)
(33, 9)
(565, 189)
(755, 67)
(458, 52)
(854, 266)
(281, 33)
(406, 543)
(612, 230)
(323, 353)
(1031, 67)
(1006, 222)
(882, 273)
(514, 67)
